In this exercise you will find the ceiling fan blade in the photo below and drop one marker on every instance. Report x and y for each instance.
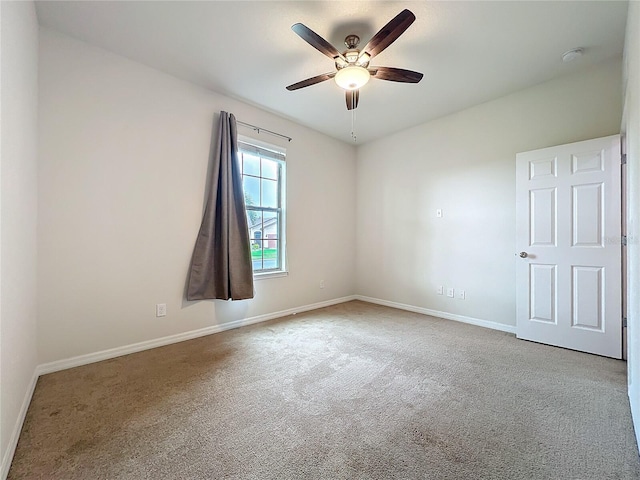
(352, 99)
(316, 41)
(389, 33)
(396, 74)
(311, 81)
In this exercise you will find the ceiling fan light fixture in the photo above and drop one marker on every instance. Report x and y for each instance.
(352, 77)
(352, 57)
(363, 59)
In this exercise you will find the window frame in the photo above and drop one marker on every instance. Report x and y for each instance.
(277, 154)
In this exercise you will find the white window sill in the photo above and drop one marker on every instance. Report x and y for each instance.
(265, 275)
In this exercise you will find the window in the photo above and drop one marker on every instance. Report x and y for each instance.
(263, 182)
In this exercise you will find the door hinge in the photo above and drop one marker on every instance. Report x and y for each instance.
(624, 240)
(623, 159)
(624, 322)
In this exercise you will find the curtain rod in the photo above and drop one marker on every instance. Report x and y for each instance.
(258, 129)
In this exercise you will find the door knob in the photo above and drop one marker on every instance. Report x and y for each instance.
(523, 254)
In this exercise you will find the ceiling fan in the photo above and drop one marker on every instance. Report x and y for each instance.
(352, 65)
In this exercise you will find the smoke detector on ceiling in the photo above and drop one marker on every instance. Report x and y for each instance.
(572, 55)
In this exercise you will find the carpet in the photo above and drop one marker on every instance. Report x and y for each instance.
(352, 391)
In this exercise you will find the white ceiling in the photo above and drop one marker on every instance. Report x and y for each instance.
(469, 52)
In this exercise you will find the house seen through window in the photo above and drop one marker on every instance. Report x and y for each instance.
(263, 182)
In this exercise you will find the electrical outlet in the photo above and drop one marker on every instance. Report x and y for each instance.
(450, 292)
(440, 290)
(321, 283)
(161, 309)
(461, 294)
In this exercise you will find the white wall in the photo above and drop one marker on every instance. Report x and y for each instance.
(124, 152)
(631, 127)
(464, 164)
(18, 200)
(121, 185)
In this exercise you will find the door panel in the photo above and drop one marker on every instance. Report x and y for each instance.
(568, 280)
(543, 293)
(587, 215)
(587, 301)
(542, 215)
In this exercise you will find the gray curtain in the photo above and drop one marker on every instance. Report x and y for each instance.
(221, 263)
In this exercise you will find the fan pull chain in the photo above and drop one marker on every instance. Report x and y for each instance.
(353, 125)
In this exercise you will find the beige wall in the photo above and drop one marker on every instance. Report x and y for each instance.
(124, 153)
(464, 164)
(18, 200)
(631, 127)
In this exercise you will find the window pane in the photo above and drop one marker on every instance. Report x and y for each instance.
(250, 164)
(254, 221)
(271, 256)
(271, 232)
(269, 193)
(271, 226)
(269, 169)
(256, 254)
(251, 186)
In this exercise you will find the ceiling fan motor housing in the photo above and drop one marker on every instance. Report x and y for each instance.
(352, 41)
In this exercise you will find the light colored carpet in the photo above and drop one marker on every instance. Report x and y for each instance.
(353, 391)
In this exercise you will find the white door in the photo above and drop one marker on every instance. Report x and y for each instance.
(568, 274)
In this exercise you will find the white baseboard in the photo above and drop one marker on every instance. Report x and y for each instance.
(179, 337)
(435, 313)
(17, 428)
(634, 401)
